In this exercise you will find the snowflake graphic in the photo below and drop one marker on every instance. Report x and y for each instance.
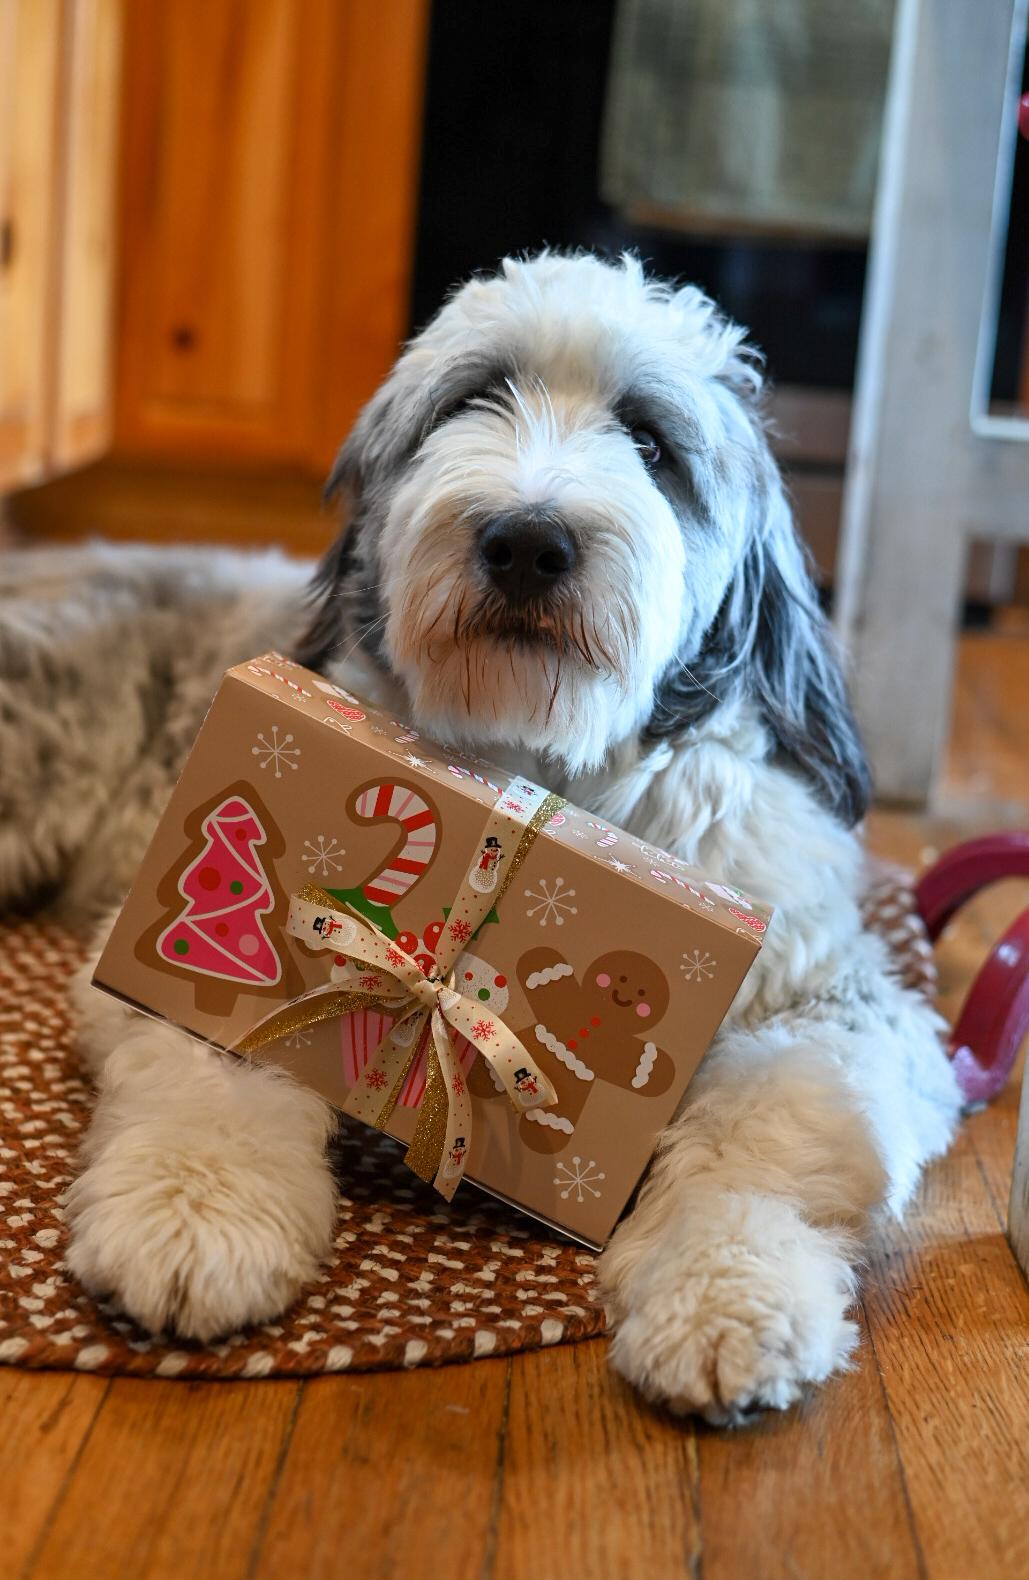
(697, 966)
(619, 866)
(279, 753)
(551, 900)
(412, 759)
(482, 1029)
(395, 957)
(370, 983)
(377, 729)
(458, 1085)
(376, 1079)
(460, 930)
(319, 855)
(296, 1039)
(578, 1178)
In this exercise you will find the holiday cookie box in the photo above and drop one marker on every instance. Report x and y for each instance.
(613, 962)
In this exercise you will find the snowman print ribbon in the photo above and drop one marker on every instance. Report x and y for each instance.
(370, 970)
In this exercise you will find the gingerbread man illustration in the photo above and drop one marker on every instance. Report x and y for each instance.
(596, 1030)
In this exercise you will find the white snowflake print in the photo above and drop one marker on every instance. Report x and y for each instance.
(619, 866)
(296, 1039)
(319, 855)
(697, 966)
(412, 759)
(279, 753)
(551, 900)
(578, 1178)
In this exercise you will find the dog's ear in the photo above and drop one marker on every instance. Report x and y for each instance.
(386, 431)
(326, 598)
(424, 389)
(771, 642)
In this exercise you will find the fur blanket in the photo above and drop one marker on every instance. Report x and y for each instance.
(109, 657)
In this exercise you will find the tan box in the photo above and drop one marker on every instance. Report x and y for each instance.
(610, 960)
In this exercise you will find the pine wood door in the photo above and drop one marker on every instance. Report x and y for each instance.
(86, 234)
(269, 164)
(30, 34)
(59, 68)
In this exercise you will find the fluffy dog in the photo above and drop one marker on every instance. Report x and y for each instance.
(569, 547)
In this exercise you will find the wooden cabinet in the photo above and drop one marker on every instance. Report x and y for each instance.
(59, 65)
(29, 76)
(87, 233)
(270, 153)
(206, 221)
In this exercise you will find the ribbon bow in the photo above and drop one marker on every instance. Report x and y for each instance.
(371, 971)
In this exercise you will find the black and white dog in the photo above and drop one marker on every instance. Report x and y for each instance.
(569, 547)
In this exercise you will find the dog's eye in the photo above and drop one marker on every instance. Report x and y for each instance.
(647, 445)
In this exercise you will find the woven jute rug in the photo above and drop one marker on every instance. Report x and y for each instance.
(411, 1281)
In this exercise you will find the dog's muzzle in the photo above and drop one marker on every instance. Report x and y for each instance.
(526, 554)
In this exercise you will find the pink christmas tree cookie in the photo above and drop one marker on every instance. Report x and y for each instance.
(221, 931)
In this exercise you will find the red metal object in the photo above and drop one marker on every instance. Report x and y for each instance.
(1023, 115)
(995, 1017)
(966, 869)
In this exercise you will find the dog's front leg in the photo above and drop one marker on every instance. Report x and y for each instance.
(729, 1283)
(206, 1200)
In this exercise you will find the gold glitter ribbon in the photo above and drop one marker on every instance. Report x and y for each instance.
(373, 972)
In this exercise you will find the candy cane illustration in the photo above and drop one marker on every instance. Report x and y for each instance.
(398, 803)
(468, 773)
(413, 852)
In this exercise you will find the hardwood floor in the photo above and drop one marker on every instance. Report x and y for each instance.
(545, 1467)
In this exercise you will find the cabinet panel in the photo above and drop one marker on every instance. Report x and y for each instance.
(87, 233)
(370, 206)
(269, 164)
(30, 35)
(211, 120)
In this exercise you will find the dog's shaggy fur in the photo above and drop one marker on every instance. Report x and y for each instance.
(676, 678)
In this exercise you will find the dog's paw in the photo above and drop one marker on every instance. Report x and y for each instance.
(733, 1311)
(210, 1212)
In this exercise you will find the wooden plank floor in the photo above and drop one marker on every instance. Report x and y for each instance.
(545, 1467)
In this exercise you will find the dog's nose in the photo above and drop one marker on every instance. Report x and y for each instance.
(526, 553)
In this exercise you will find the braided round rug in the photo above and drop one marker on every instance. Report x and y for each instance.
(411, 1281)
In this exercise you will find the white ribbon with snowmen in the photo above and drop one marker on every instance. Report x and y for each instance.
(372, 970)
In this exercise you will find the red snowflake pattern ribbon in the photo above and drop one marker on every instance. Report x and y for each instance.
(371, 971)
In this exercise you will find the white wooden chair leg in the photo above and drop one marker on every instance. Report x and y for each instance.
(921, 482)
(902, 641)
(1018, 1210)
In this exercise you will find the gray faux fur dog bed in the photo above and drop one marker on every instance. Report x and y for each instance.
(109, 657)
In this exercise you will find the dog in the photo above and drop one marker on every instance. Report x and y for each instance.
(569, 549)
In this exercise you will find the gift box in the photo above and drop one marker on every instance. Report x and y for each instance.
(514, 988)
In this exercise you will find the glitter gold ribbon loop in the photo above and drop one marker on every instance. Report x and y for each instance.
(373, 972)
